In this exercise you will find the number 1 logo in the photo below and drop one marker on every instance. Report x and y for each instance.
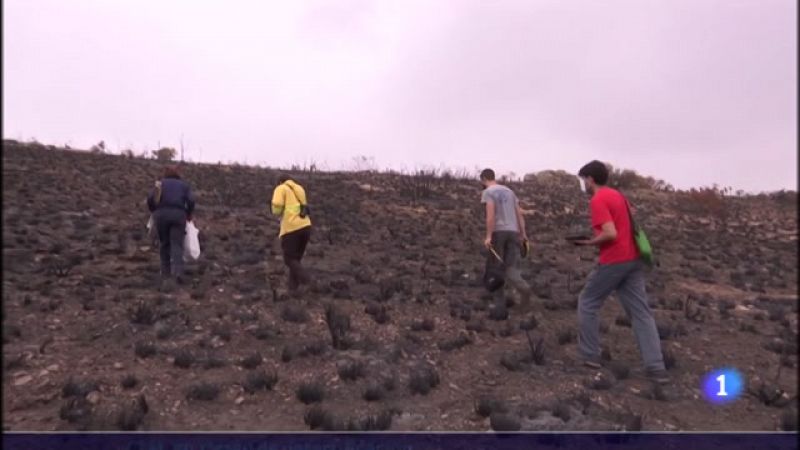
(721, 380)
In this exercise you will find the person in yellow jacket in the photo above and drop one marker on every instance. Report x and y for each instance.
(289, 201)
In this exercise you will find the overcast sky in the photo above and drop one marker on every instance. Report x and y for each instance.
(691, 91)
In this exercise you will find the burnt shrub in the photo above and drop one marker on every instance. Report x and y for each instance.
(252, 361)
(498, 312)
(145, 349)
(129, 381)
(669, 359)
(338, 325)
(264, 332)
(294, 313)
(214, 362)
(381, 317)
(620, 370)
(259, 381)
(426, 324)
(565, 336)
(315, 348)
(350, 370)
(504, 422)
(423, 378)
(665, 331)
(455, 343)
(78, 388)
(316, 417)
(486, 406)
(223, 331)
(476, 325)
(789, 420)
(374, 392)
(143, 314)
(203, 391)
(512, 361)
(529, 323)
(310, 392)
(376, 422)
(184, 359)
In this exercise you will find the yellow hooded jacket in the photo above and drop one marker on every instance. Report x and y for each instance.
(287, 205)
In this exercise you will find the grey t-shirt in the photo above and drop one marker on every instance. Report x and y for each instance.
(505, 207)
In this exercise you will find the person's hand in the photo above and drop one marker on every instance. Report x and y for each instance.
(487, 242)
(523, 237)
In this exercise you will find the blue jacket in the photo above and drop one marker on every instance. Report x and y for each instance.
(175, 193)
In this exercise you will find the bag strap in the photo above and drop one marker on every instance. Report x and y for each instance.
(295, 194)
(634, 229)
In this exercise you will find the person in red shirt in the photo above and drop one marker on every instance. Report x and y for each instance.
(619, 270)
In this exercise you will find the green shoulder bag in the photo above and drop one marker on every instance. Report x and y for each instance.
(640, 238)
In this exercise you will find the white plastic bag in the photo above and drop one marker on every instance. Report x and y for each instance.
(152, 231)
(191, 243)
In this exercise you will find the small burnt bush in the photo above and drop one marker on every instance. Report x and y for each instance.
(203, 391)
(566, 336)
(129, 381)
(316, 417)
(184, 359)
(294, 313)
(214, 362)
(498, 312)
(78, 388)
(455, 343)
(504, 422)
(310, 392)
(143, 314)
(669, 359)
(622, 321)
(315, 348)
(620, 370)
(529, 323)
(374, 392)
(376, 422)
(486, 406)
(423, 379)
(350, 370)
(250, 362)
(259, 381)
(223, 331)
(145, 349)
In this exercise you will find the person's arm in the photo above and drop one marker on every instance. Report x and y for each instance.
(521, 221)
(189, 203)
(608, 233)
(151, 200)
(278, 201)
(601, 215)
(489, 223)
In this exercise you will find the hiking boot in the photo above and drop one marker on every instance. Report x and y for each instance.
(592, 364)
(658, 376)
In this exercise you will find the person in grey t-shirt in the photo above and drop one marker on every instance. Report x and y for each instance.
(505, 232)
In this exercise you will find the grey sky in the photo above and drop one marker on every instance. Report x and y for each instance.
(691, 91)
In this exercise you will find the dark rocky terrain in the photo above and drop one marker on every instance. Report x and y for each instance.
(397, 332)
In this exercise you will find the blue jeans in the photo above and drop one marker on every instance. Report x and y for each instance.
(627, 279)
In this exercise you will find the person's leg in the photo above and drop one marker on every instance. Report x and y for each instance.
(303, 237)
(511, 258)
(499, 245)
(289, 245)
(602, 281)
(177, 234)
(163, 227)
(633, 296)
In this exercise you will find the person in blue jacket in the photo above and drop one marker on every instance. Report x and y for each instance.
(172, 203)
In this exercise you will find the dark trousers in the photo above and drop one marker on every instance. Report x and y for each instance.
(508, 246)
(294, 247)
(171, 226)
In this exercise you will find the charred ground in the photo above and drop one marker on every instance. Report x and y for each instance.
(398, 333)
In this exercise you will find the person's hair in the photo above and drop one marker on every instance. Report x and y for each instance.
(487, 175)
(283, 178)
(171, 172)
(597, 170)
